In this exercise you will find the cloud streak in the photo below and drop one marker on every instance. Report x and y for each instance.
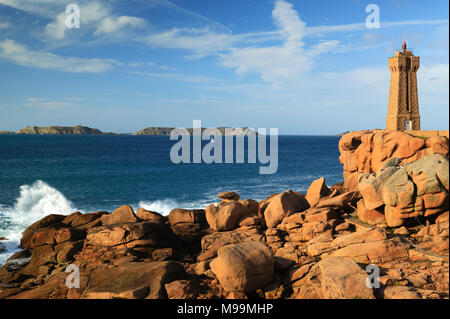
(21, 55)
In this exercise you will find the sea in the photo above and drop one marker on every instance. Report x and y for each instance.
(62, 174)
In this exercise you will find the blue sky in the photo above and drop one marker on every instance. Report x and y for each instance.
(304, 67)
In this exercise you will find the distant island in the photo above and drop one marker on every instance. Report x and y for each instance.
(167, 130)
(84, 130)
(60, 130)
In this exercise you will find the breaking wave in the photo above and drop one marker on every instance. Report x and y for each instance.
(161, 206)
(35, 201)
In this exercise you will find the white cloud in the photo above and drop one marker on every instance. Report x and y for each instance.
(96, 16)
(187, 78)
(41, 7)
(45, 103)
(319, 30)
(200, 41)
(57, 28)
(136, 64)
(93, 14)
(287, 19)
(273, 63)
(115, 24)
(276, 64)
(21, 55)
(151, 64)
(167, 68)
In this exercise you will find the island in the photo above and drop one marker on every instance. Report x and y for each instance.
(60, 130)
(168, 130)
(84, 130)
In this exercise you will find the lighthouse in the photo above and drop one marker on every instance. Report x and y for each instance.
(403, 108)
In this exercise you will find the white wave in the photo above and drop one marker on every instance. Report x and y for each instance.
(37, 201)
(160, 206)
(166, 205)
(7, 248)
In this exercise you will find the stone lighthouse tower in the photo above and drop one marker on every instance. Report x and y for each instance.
(403, 109)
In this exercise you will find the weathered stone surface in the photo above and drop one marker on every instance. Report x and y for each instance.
(178, 215)
(123, 214)
(371, 216)
(212, 242)
(133, 280)
(114, 235)
(400, 292)
(65, 252)
(317, 190)
(188, 225)
(331, 278)
(342, 278)
(281, 263)
(69, 218)
(27, 234)
(227, 215)
(320, 214)
(85, 219)
(54, 287)
(283, 205)
(309, 231)
(316, 248)
(229, 196)
(144, 214)
(417, 189)
(181, 289)
(243, 267)
(299, 272)
(351, 141)
(340, 201)
(370, 185)
(374, 252)
(44, 237)
(388, 145)
(367, 151)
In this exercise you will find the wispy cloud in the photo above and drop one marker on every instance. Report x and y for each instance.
(115, 24)
(50, 104)
(317, 30)
(151, 64)
(21, 55)
(288, 60)
(188, 78)
(200, 42)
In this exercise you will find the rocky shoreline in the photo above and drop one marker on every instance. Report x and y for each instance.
(320, 245)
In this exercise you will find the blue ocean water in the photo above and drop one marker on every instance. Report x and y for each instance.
(40, 175)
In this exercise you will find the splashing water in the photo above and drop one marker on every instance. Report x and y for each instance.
(37, 201)
(161, 206)
(34, 202)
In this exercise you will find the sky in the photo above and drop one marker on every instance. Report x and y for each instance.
(304, 67)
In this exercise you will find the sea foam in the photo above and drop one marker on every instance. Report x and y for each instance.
(35, 201)
(160, 206)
